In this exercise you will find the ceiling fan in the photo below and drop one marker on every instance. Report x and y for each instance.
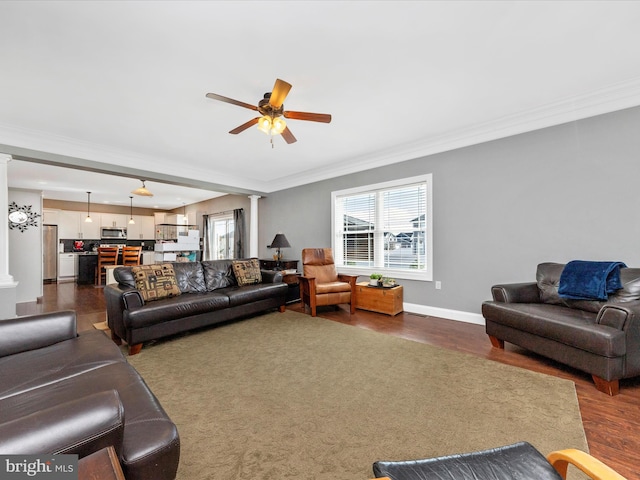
(271, 108)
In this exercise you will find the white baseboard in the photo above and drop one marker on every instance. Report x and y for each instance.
(458, 315)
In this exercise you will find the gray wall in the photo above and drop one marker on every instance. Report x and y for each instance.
(500, 208)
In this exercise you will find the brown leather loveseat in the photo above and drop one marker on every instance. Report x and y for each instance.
(601, 338)
(63, 392)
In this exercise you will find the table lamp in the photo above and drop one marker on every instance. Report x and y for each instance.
(279, 241)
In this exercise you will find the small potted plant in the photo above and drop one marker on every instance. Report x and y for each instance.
(374, 279)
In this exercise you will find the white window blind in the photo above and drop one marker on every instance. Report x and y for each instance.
(384, 228)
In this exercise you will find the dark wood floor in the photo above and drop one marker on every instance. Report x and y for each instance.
(612, 424)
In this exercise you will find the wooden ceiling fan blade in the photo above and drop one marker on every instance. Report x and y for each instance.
(215, 96)
(244, 126)
(313, 117)
(288, 136)
(279, 93)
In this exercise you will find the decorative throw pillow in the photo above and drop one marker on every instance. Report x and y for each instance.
(247, 272)
(155, 282)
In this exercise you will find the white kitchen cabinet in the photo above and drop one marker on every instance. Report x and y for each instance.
(50, 216)
(72, 225)
(90, 230)
(67, 267)
(143, 229)
(114, 220)
(161, 217)
(69, 224)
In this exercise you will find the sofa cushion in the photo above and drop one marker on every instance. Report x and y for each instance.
(155, 282)
(630, 291)
(190, 277)
(247, 272)
(27, 370)
(175, 308)
(253, 293)
(333, 287)
(576, 328)
(548, 279)
(218, 274)
(38, 332)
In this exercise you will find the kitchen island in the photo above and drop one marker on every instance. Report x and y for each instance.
(87, 263)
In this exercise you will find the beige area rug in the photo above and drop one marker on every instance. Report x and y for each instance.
(101, 326)
(288, 396)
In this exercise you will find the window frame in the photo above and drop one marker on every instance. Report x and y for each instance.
(425, 274)
(221, 217)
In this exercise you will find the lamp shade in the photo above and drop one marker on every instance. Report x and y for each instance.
(280, 241)
(142, 191)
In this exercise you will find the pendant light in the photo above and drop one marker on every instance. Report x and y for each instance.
(88, 219)
(131, 222)
(142, 191)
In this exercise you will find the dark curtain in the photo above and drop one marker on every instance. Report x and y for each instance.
(206, 250)
(238, 222)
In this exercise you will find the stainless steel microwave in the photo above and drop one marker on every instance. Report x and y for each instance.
(113, 233)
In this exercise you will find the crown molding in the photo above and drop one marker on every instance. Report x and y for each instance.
(616, 97)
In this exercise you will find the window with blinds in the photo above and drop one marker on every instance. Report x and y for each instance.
(384, 228)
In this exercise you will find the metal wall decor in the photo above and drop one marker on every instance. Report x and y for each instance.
(22, 217)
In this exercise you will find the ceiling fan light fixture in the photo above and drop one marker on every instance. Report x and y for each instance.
(264, 124)
(271, 107)
(142, 191)
(278, 125)
(271, 126)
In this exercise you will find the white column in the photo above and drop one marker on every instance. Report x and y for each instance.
(7, 284)
(253, 228)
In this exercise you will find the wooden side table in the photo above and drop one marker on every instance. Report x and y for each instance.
(101, 465)
(379, 299)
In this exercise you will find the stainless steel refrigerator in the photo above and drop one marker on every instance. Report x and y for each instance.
(50, 253)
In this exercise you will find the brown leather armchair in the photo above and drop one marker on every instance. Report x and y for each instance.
(321, 284)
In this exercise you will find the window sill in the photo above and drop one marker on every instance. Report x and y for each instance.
(397, 274)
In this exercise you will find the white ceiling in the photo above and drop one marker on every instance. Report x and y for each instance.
(120, 86)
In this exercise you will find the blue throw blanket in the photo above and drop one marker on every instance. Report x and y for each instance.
(584, 280)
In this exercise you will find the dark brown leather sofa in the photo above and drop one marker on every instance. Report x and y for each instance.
(597, 337)
(64, 392)
(209, 294)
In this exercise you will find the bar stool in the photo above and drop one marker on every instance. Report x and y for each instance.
(131, 255)
(106, 256)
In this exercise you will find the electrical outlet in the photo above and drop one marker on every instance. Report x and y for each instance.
(438, 285)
